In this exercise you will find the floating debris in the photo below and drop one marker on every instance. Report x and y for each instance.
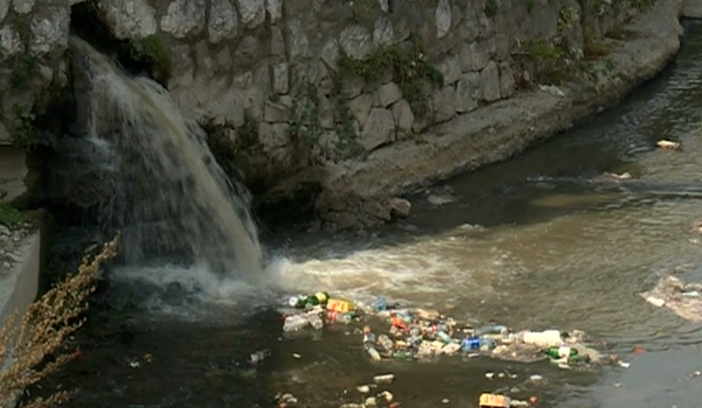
(668, 145)
(684, 299)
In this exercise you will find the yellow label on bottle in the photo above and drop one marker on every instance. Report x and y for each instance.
(321, 296)
(494, 401)
(338, 305)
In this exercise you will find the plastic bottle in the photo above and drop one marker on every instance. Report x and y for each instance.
(318, 298)
(486, 343)
(340, 318)
(491, 330)
(546, 338)
(381, 304)
(560, 352)
(315, 321)
(470, 343)
(340, 305)
(402, 355)
(443, 336)
(385, 343)
(294, 323)
(373, 353)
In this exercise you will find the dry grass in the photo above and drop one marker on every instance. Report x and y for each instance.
(35, 347)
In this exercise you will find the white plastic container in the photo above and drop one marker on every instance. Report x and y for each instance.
(546, 338)
(294, 323)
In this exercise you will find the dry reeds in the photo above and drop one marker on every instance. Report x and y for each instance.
(34, 348)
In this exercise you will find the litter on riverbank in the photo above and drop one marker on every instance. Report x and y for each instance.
(389, 332)
(684, 299)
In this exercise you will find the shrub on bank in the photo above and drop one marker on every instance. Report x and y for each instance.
(35, 347)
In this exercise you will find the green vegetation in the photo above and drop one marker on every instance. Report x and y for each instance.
(23, 70)
(10, 216)
(548, 59)
(409, 69)
(22, 128)
(304, 114)
(566, 17)
(491, 8)
(347, 145)
(152, 51)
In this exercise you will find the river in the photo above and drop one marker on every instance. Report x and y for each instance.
(544, 240)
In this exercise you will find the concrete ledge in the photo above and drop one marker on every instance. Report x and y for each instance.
(19, 284)
(503, 129)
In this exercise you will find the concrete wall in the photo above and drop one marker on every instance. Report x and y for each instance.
(19, 285)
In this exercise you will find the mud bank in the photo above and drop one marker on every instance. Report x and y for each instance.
(351, 190)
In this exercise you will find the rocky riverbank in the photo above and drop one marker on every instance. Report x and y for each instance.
(503, 129)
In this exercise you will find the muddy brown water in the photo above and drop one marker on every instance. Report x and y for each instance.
(560, 245)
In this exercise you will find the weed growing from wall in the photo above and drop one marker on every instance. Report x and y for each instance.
(409, 69)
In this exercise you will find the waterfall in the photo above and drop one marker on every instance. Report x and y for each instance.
(167, 194)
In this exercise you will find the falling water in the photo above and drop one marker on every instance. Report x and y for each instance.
(168, 195)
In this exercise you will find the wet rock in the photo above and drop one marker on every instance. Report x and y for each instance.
(184, 18)
(330, 53)
(276, 112)
(490, 78)
(403, 116)
(252, 12)
(468, 92)
(360, 108)
(49, 30)
(473, 57)
(356, 42)
(298, 43)
(506, 80)
(274, 9)
(273, 136)
(21, 6)
(223, 21)
(378, 130)
(444, 104)
(10, 42)
(281, 78)
(443, 18)
(128, 18)
(383, 32)
(4, 8)
(450, 68)
(399, 207)
(389, 94)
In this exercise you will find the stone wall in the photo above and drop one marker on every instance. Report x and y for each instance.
(299, 83)
(298, 91)
(33, 67)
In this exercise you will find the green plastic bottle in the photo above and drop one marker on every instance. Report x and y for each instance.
(556, 352)
(319, 298)
(402, 355)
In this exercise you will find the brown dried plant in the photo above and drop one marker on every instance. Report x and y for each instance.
(35, 348)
